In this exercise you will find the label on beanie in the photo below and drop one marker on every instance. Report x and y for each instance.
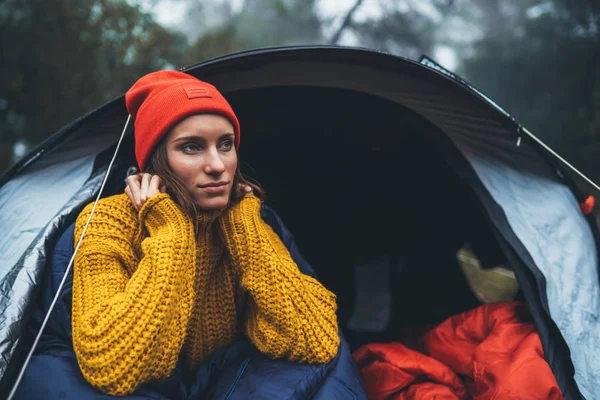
(196, 92)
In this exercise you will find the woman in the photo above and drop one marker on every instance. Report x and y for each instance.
(182, 264)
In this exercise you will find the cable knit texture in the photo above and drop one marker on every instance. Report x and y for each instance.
(289, 315)
(145, 289)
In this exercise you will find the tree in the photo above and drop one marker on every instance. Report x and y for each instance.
(63, 58)
(544, 70)
(408, 28)
(259, 23)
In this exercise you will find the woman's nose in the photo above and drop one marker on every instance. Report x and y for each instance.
(214, 164)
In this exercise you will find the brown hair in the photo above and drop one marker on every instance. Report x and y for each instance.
(159, 165)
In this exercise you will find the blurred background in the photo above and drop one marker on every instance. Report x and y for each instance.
(538, 59)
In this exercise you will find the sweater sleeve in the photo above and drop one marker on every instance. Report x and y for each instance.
(130, 311)
(289, 315)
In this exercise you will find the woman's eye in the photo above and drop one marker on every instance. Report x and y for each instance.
(190, 148)
(227, 144)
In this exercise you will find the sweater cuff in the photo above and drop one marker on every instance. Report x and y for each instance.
(240, 224)
(248, 207)
(239, 218)
(160, 212)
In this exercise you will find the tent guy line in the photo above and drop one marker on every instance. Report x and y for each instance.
(55, 299)
(64, 278)
(555, 154)
(453, 124)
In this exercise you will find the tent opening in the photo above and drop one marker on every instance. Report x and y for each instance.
(373, 205)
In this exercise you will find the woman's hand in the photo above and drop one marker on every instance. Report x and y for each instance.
(244, 190)
(141, 187)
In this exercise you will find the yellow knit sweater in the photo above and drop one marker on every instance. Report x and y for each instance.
(145, 289)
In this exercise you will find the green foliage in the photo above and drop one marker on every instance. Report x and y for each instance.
(404, 28)
(62, 58)
(284, 22)
(260, 23)
(539, 59)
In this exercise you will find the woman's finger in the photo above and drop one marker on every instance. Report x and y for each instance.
(131, 197)
(133, 183)
(128, 193)
(154, 186)
(243, 188)
(144, 188)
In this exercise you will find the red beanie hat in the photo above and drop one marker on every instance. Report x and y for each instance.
(161, 99)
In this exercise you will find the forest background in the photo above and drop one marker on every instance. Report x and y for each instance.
(538, 59)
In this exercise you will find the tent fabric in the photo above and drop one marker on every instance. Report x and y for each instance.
(558, 238)
(36, 204)
(238, 371)
(550, 226)
(19, 280)
(540, 210)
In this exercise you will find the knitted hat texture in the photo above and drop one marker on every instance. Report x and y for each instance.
(159, 100)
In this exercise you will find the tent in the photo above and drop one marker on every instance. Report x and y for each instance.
(361, 153)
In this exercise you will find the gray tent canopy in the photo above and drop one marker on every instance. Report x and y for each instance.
(352, 144)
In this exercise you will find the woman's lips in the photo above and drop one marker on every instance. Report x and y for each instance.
(214, 187)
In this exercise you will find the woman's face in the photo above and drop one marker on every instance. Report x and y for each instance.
(201, 151)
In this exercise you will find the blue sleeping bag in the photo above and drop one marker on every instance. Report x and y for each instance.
(239, 371)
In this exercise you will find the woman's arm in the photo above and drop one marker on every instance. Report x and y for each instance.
(130, 312)
(289, 315)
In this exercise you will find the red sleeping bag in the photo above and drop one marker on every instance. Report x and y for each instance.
(494, 348)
